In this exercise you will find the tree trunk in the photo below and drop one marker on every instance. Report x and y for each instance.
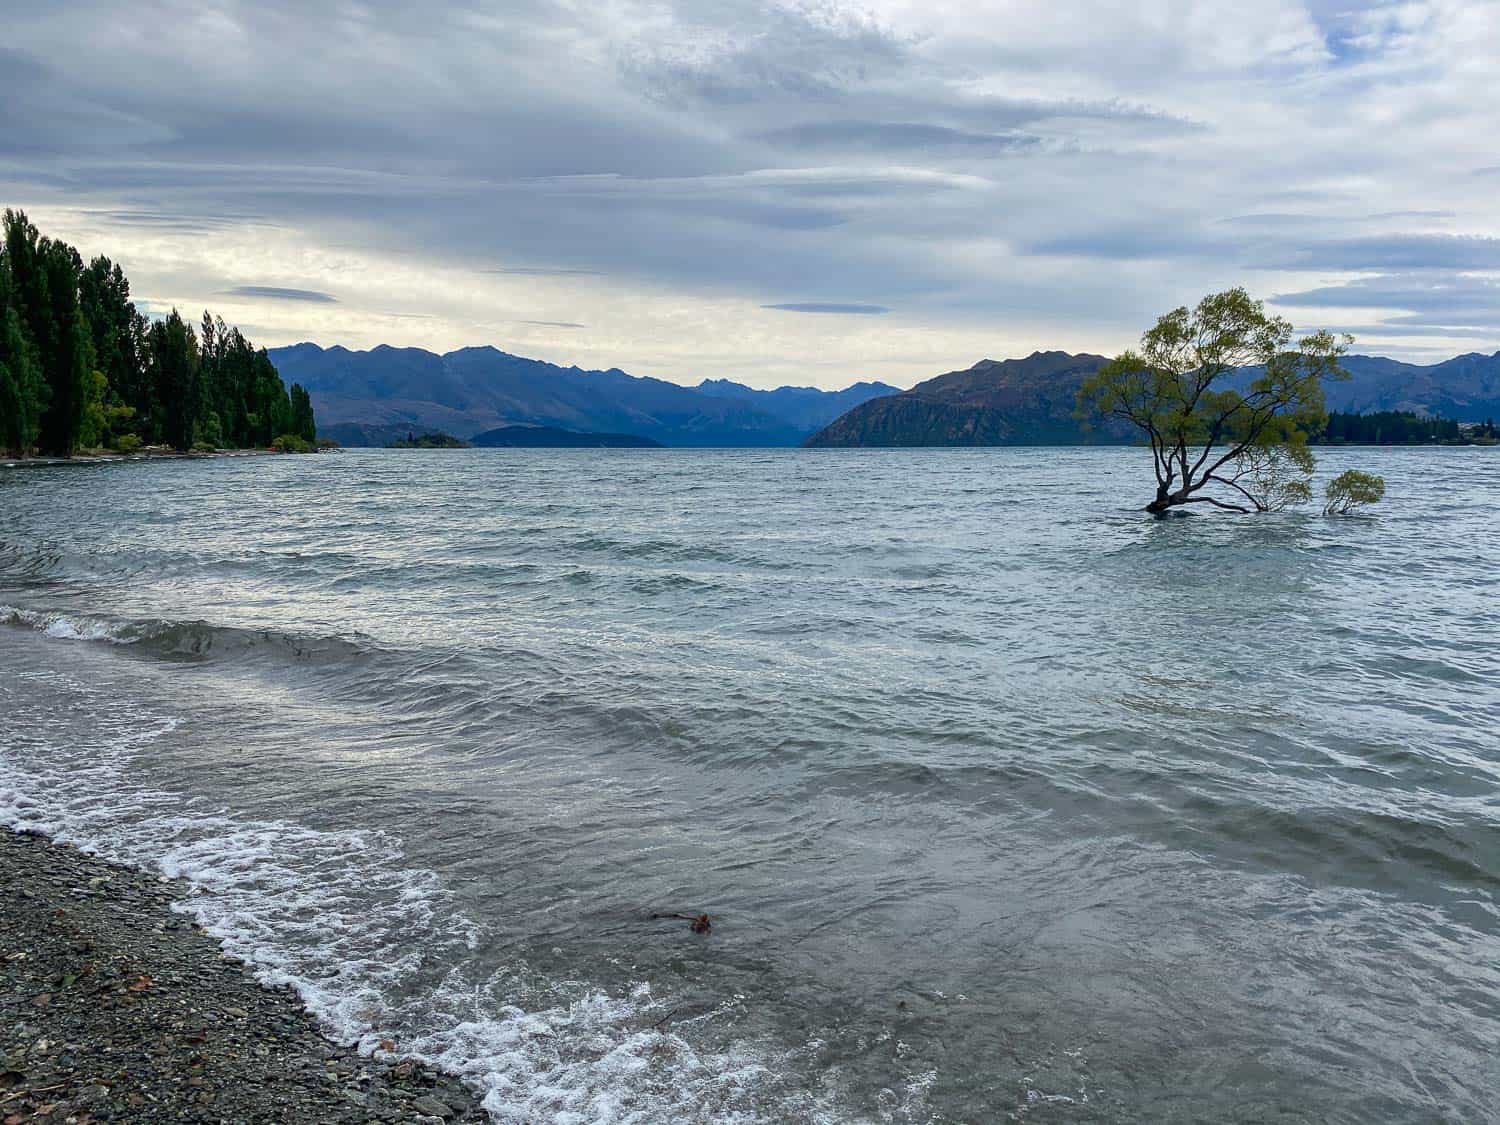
(1164, 500)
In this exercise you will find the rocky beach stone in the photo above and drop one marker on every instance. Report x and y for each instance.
(112, 1008)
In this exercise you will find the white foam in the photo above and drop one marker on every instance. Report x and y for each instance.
(374, 947)
(66, 628)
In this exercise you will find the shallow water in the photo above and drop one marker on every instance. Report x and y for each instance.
(1005, 799)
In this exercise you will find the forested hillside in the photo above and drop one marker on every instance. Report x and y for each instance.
(82, 368)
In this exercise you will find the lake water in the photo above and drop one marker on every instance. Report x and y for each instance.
(1007, 801)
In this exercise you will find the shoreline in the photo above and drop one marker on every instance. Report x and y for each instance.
(114, 1006)
(108, 458)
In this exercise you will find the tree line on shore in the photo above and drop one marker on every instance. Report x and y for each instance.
(82, 368)
(1399, 427)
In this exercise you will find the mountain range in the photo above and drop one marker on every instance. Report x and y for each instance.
(374, 397)
(377, 396)
(1030, 401)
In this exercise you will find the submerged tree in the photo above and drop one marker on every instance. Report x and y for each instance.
(1224, 399)
(1272, 476)
(1350, 490)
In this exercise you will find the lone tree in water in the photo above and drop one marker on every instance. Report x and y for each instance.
(1209, 420)
(1350, 490)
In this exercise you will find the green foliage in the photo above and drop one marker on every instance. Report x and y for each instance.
(117, 334)
(302, 414)
(209, 431)
(93, 429)
(291, 443)
(127, 443)
(1207, 418)
(1352, 489)
(433, 440)
(205, 447)
(1273, 477)
(174, 378)
(80, 366)
(42, 283)
(23, 390)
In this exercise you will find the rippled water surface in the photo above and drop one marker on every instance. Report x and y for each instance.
(1007, 801)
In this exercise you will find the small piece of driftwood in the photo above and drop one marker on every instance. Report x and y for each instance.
(698, 923)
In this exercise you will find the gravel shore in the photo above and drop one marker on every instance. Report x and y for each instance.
(115, 1008)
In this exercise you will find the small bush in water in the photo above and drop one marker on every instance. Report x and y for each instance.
(1350, 490)
(290, 443)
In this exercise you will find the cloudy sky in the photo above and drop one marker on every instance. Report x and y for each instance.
(806, 191)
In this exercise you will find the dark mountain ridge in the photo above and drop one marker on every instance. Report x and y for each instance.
(373, 397)
(362, 395)
(802, 406)
(1030, 401)
(1010, 402)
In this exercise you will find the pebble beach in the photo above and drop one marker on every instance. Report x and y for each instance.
(115, 1007)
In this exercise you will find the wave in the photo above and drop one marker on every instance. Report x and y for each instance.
(377, 948)
(198, 640)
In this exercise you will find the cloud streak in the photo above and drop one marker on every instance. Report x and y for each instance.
(278, 293)
(829, 307)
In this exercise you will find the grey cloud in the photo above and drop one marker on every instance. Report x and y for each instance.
(168, 221)
(1440, 305)
(893, 137)
(1271, 241)
(1392, 252)
(764, 51)
(740, 148)
(588, 176)
(45, 113)
(1146, 241)
(1273, 219)
(830, 307)
(278, 293)
(20, 68)
(527, 272)
(553, 323)
(1393, 330)
(1450, 293)
(1414, 215)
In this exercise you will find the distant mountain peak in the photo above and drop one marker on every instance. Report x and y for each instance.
(480, 388)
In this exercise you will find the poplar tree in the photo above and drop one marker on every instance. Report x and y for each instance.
(174, 361)
(23, 391)
(302, 414)
(79, 364)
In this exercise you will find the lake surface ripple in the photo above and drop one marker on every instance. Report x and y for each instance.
(1007, 801)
